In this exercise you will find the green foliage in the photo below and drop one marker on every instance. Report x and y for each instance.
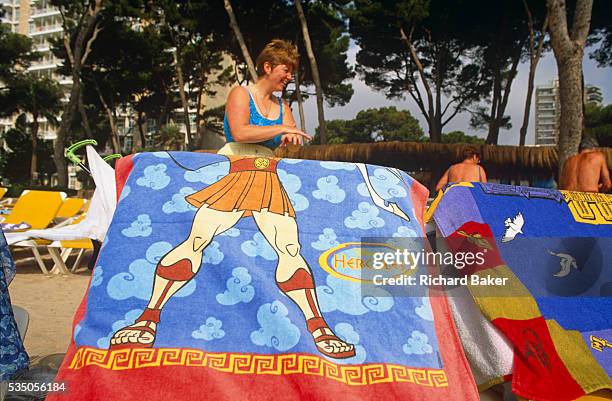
(441, 35)
(375, 125)
(169, 137)
(40, 97)
(16, 54)
(598, 123)
(15, 162)
(328, 34)
(601, 33)
(461, 137)
(481, 120)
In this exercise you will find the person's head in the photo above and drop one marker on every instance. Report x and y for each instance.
(587, 144)
(471, 153)
(276, 63)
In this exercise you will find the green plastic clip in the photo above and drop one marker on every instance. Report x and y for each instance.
(112, 157)
(69, 152)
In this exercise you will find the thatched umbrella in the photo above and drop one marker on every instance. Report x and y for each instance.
(426, 161)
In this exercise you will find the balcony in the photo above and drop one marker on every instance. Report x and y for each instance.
(44, 12)
(41, 30)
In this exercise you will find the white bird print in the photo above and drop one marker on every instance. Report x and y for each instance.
(513, 227)
(566, 263)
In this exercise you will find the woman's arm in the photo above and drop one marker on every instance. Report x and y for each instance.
(483, 174)
(237, 111)
(443, 181)
(289, 121)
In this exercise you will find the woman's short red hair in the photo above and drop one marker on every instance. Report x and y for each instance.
(277, 52)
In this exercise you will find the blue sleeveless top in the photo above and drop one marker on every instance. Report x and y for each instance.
(257, 119)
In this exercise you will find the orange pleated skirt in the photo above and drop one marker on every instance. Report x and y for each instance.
(251, 185)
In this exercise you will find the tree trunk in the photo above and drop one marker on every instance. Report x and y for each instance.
(435, 134)
(34, 136)
(111, 122)
(300, 101)
(315, 72)
(60, 141)
(568, 48)
(84, 118)
(77, 55)
(534, 58)
(184, 102)
(142, 141)
(240, 39)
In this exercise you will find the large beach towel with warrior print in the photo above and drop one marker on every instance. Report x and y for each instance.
(227, 278)
(551, 254)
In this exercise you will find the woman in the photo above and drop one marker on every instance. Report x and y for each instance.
(254, 116)
(255, 123)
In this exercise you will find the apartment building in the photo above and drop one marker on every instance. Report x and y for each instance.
(547, 112)
(42, 23)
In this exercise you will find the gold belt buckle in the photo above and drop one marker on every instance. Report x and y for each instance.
(261, 163)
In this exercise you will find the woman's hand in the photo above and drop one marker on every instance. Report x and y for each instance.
(293, 136)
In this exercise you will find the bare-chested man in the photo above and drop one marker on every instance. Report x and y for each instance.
(468, 170)
(587, 171)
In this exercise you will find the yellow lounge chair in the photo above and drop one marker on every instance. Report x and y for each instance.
(36, 208)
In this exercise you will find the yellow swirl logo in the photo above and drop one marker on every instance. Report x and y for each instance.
(353, 261)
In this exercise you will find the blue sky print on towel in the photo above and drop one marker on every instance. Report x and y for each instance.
(178, 204)
(211, 330)
(346, 332)
(137, 282)
(128, 319)
(97, 277)
(232, 232)
(326, 240)
(338, 166)
(385, 183)
(208, 174)
(141, 227)
(125, 192)
(364, 217)
(154, 177)
(276, 329)
(345, 296)
(238, 288)
(258, 246)
(424, 310)
(213, 254)
(417, 344)
(329, 190)
(292, 185)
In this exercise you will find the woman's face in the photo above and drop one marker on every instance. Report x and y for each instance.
(279, 76)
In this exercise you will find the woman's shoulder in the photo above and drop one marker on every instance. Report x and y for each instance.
(239, 90)
(238, 94)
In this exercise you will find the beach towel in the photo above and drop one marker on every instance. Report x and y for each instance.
(13, 357)
(545, 280)
(236, 277)
(99, 214)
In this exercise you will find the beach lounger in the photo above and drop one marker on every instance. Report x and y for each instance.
(36, 208)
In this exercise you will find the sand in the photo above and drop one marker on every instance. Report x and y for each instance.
(50, 300)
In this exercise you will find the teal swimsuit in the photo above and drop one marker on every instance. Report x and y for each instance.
(255, 118)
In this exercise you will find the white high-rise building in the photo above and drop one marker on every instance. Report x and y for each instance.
(547, 112)
(41, 22)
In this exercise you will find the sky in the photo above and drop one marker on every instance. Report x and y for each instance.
(365, 98)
